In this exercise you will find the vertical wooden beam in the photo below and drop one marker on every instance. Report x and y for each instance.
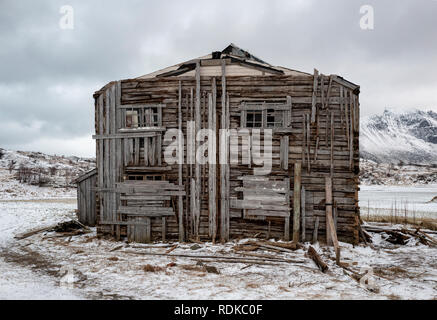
(332, 145)
(296, 200)
(164, 229)
(212, 178)
(308, 143)
(316, 230)
(331, 234)
(100, 161)
(314, 98)
(107, 159)
(224, 226)
(198, 176)
(289, 111)
(328, 205)
(119, 154)
(346, 111)
(351, 136)
(180, 159)
(303, 212)
(284, 152)
(287, 218)
(304, 139)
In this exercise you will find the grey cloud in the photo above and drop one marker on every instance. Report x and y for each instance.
(48, 75)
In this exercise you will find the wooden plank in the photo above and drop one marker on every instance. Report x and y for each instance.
(246, 204)
(287, 217)
(303, 212)
(181, 160)
(148, 169)
(224, 213)
(296, 201)
(351, 136)
(164, 229)
(100, 159)
(197, 172)
(267, 213)
(145, 198)
(122, 135)
(308, 143)
(314, 96)
(330, 228)
(284, 150)
(316, 231)
(332, 146)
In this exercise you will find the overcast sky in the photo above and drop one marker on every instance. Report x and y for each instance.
(48, 74)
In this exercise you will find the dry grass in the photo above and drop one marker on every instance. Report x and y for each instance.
(424, 223)
(390, 273)
(252, 285)
(150, 268)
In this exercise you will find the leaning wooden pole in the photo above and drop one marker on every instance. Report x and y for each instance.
(331, 233)
(296, 200)
(180, 159)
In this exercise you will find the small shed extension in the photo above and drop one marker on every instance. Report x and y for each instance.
(86, 198)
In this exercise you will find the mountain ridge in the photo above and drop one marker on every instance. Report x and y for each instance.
(400, 137)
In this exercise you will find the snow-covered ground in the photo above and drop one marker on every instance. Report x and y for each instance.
(25, 280)
(413, 201)
(32, 268)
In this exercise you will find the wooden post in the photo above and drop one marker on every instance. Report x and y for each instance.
(164, 229)
(212, 166)
(296, 201)
(303, 202)
(287, 219)
(197, 116)
(314, 97)
(224, 205)
(180, 159)
(316, 231)
(331, 234)
(332, 145)
(328, 205)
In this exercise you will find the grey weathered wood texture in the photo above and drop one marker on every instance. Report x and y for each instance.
(320, 131)
(86, 198)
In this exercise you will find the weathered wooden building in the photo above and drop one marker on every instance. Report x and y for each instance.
(313, 182)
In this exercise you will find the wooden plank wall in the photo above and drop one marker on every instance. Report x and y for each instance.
(86, 201)
(325, 147)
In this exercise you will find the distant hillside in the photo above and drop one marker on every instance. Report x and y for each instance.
(39, 169)
(408, 137)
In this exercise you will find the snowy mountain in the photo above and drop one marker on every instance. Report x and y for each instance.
(408, 137)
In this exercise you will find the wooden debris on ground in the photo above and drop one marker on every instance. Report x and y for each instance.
(69, 228)
(312, 253)
(403, 235)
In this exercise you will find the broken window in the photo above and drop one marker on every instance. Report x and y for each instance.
(274, 118)
(265, 115)
(131, 119)
(143, 116)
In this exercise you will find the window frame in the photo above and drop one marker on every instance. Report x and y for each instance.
(143, 116)
(266, 107)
